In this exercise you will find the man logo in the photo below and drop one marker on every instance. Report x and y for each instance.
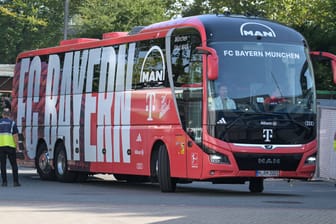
(269, 161)
(148, 73)
(256, 30)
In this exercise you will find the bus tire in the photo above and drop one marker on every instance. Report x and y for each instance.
(256, 185)
(61, 165)
(167, 184)
(42, 163)
(154, 167)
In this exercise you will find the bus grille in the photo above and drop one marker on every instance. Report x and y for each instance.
(285, 162)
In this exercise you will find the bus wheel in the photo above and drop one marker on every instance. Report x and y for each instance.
(256, 185)
(42, 163)
(154, 166)
(167, 184)
(61, 165)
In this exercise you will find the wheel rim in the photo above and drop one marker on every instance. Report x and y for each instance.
(44, 164)
(61, 163)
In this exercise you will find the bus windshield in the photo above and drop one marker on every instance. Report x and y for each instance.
(267, 81)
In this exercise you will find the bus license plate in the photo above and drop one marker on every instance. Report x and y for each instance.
(267, 173)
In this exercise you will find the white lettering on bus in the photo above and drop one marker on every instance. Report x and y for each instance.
(275, 54)
(78, 87)
(181, 38)
(21, 107)
(152, 76)
(106, 113)
(258, 33)
(259, 53)
(51, 97)
(64, 112)
(33, 93)
(105, 96)
(119, 100)
(90, 107)
(228, 53)
(126, 132)
(249, 53)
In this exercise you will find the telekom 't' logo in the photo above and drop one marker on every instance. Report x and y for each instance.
(150, 105)
(267, 134)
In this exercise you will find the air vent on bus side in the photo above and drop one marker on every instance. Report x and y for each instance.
(76, 41)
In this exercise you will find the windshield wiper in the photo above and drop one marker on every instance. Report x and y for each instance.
(242, 116)
(290, 118)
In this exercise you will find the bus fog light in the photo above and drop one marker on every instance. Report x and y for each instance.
(311, 160)
(219, 159)
(212, 172)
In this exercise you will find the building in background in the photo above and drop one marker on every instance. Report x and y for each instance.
(6, 77)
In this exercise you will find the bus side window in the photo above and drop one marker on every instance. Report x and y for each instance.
(196, 69)
(150, 65)
(187, 78)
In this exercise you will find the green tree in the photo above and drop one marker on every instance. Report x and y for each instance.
(27, 25)
(96, 17)
(242, 7)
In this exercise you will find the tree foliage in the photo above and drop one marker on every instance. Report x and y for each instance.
(97, 17)
(27, 24)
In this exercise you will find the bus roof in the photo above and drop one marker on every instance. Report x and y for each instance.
(234, 28)
(242, 28)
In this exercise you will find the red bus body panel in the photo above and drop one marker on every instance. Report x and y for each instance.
(98, 120)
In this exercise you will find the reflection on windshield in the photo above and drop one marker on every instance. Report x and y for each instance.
(262, 77)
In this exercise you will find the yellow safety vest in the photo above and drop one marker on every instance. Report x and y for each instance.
(6, 138)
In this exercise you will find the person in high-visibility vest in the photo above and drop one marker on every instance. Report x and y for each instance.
(8, 147)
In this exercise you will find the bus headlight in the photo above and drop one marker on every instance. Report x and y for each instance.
(219, 159)
(311, 160)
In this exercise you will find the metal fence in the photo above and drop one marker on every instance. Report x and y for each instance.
(326, 168)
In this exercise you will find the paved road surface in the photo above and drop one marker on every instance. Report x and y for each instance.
(103, 200)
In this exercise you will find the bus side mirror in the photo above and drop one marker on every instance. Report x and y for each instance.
(330, 57)
(333, 66)
(212, 61)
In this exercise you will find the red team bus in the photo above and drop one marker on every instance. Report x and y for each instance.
(143, 105)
